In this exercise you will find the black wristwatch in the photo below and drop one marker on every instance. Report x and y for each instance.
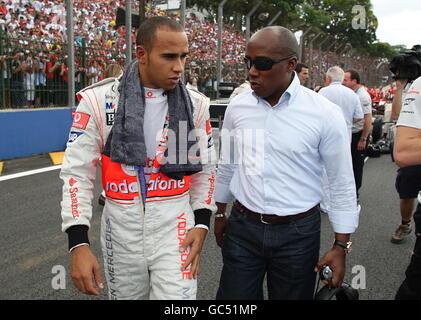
(346, 246)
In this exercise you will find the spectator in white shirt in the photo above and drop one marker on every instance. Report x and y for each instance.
(343, 97)
(285, 135)
(350, 105)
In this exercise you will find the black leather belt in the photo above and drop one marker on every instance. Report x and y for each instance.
(272, 218)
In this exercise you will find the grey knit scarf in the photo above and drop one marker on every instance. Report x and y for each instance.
(126, 142)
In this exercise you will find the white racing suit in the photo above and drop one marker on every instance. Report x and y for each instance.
(140, 246)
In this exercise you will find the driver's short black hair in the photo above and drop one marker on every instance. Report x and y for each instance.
(147, 30)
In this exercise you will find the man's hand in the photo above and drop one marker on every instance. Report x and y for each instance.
(219, 230)
(361, 145)
(85, 270)
(335, 259)
(195, 239)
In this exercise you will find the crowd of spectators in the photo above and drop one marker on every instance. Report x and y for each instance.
(33, 57)
(371, 70)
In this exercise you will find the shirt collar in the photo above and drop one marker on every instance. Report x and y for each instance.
(290, 93)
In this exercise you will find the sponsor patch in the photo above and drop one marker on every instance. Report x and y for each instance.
(109, 106)
(116, 182)
(74, 198)
(72, 182)
(208, 127)
(110, 118)
(181, 235)
(210, 142)
(149, 95)
(80, 120)
(211, 188)
(73, 135)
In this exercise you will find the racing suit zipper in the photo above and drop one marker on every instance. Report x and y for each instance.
(141, 180)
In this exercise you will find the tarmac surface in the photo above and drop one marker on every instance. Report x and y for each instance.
(34, 250)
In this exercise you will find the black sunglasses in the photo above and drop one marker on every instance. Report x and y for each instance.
(263, 63)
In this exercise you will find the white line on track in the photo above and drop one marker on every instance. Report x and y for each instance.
(28, 173)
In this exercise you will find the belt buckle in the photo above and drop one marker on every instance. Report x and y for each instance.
(263, 221)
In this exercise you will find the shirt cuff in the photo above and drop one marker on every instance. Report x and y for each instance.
(78, 245)
(202, 226)
(344, 222)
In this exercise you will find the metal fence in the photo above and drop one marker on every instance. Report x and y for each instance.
(35, 73)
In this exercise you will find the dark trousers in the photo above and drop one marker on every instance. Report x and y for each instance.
(410, 288)
(357, 160)
(286, 253)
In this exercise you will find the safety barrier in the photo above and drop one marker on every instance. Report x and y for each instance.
(34, 131)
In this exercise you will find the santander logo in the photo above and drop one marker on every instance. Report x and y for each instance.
(73, 198)
(72, 182)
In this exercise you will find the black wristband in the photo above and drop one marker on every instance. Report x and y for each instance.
(346, 246)
(77, 234)
(202, 216)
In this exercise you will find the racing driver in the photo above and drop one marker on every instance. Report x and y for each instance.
(157, 212)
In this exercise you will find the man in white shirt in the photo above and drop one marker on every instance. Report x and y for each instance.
(283, 136)
(408, 153)
(350, 105)
(361, 129)
(343, 97)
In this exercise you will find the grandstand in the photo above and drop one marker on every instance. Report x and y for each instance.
(33, 49)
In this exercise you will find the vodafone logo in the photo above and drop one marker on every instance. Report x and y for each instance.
(80, 120)
(181, 235)
(166, 184)
(123, 187)
(150, 95)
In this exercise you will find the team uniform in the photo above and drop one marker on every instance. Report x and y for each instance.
(147, 215)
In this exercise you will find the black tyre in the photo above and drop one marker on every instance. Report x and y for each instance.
(377, 130)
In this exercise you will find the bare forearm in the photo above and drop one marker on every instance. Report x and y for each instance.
(367, 126)
(396, 105)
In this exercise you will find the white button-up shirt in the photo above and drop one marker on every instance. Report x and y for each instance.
(347, 100)
(272, 158)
